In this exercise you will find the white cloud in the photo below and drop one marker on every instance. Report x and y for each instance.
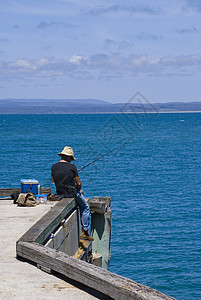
(101, 66)
(75, 59)
(20, 64)
(42, 61)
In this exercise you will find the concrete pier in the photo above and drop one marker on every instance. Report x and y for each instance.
(21, 280)
(30, 228)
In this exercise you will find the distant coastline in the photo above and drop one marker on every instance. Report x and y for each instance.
(102, 113)
(92, 106)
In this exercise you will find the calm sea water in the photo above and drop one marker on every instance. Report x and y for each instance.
(152, 173)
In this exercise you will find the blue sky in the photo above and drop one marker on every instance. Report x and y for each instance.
(106, 50)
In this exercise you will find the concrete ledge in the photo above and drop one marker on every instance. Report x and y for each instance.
(50, 222)
(110, 284)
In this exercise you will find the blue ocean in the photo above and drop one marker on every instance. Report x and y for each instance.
(152, 172)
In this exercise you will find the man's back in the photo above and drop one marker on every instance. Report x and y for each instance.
(63, 174)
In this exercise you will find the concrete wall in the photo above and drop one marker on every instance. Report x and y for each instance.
(66, 238)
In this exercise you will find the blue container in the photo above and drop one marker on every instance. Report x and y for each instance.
(29, 184)
(40, 198)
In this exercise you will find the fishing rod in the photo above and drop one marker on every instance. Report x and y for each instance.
(96, 160)
(100, 157)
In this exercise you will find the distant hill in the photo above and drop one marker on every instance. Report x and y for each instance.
(72, 106)
(50, 106)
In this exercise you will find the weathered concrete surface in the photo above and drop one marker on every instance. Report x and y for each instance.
(21, 280)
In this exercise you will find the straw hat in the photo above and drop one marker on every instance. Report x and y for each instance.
(68, 151)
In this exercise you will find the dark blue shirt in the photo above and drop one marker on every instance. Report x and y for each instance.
(63, 174)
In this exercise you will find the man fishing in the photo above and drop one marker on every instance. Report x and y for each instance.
(68, 185)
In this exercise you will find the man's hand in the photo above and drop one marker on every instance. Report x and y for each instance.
(78, 183)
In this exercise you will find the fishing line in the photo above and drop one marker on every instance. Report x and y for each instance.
(96, 160)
